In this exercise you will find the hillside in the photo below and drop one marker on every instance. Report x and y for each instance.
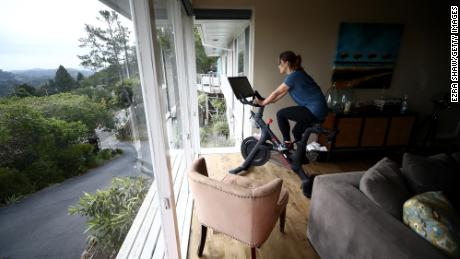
(48, 73)
(33, 77)
(7, 82)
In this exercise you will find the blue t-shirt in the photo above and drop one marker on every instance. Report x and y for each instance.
(305, 92)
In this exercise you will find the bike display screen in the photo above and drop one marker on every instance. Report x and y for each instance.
(241, 87)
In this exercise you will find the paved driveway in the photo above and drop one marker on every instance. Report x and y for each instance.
(39, 226)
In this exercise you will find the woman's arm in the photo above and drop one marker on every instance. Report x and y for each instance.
(279, 93)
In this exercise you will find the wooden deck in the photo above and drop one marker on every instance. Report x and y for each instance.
(145, 239)
(293, 244)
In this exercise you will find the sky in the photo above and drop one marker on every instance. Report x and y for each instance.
(45, 33)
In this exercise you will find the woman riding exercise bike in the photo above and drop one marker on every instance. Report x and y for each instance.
(256, 151)
(311, 105)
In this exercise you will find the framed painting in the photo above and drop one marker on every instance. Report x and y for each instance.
(366, 55)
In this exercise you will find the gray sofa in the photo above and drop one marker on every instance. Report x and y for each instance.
(344, 223)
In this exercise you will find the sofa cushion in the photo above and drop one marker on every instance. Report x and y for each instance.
(435, 173)
(432, 217)
(384, 185)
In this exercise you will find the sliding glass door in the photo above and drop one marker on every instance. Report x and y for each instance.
(164, 28)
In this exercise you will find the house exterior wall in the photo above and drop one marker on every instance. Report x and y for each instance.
(310, 28)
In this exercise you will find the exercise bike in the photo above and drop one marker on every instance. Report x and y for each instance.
(256, 150)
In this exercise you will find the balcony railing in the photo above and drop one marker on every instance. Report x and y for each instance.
(209, 83)
(144, 239)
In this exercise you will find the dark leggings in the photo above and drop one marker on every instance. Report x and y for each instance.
(301, 115)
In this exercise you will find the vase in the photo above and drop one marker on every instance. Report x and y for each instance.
(332, 97)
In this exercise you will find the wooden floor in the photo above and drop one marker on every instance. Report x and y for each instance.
(293, 244)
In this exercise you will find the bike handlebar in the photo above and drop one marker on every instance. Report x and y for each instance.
(256, 94)
(251, 102)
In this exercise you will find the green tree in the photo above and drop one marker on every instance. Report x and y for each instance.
(220, 127)
(80, 77)
(105, 78)
(65, 133)
(24, 90)
(38, 150)
(96, 94)
(47, 89)
(12, 182)
(79, 81)
(203, 62)
(26, 135)
(23, 132)
(63, 81)
(108, 44)
(110, 214)
(219, 106)
(123, 39)
(70, 108)
(124, 93)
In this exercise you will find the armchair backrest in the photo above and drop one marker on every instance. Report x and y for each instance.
(246, 214)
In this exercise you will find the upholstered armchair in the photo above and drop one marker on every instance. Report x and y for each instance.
(242, 208)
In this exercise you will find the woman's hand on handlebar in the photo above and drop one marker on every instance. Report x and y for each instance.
(258, 101)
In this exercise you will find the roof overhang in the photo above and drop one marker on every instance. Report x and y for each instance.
(217, 35)
(120, 6)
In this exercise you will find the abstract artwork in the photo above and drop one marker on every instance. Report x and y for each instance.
(366, 55)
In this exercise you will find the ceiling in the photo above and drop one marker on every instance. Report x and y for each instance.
(216, 35)
(120, 6)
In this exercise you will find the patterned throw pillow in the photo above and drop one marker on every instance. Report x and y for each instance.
(432, 217)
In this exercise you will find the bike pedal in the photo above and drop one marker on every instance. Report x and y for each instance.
(282, 148)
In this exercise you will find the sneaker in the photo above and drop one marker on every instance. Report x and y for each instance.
(282, 148)
(285, 146)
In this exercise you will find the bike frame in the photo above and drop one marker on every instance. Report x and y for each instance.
(269, 141)
(294, 160)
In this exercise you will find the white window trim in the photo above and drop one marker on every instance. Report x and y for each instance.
(181, 77)
(143, 19)
(184, 85)
(247, 130)
(189, 42)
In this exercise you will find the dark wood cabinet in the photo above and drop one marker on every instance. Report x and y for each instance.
(361, 130)
(400, 131)
(374, 131)
(349, 132)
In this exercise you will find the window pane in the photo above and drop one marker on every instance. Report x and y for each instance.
(172, 66)
(241, 54)
(215, 118)
(79, 118)
(168, 68)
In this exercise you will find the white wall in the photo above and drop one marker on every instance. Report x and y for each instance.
(310, 28)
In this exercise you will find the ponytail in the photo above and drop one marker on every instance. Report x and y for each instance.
(298, 64)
